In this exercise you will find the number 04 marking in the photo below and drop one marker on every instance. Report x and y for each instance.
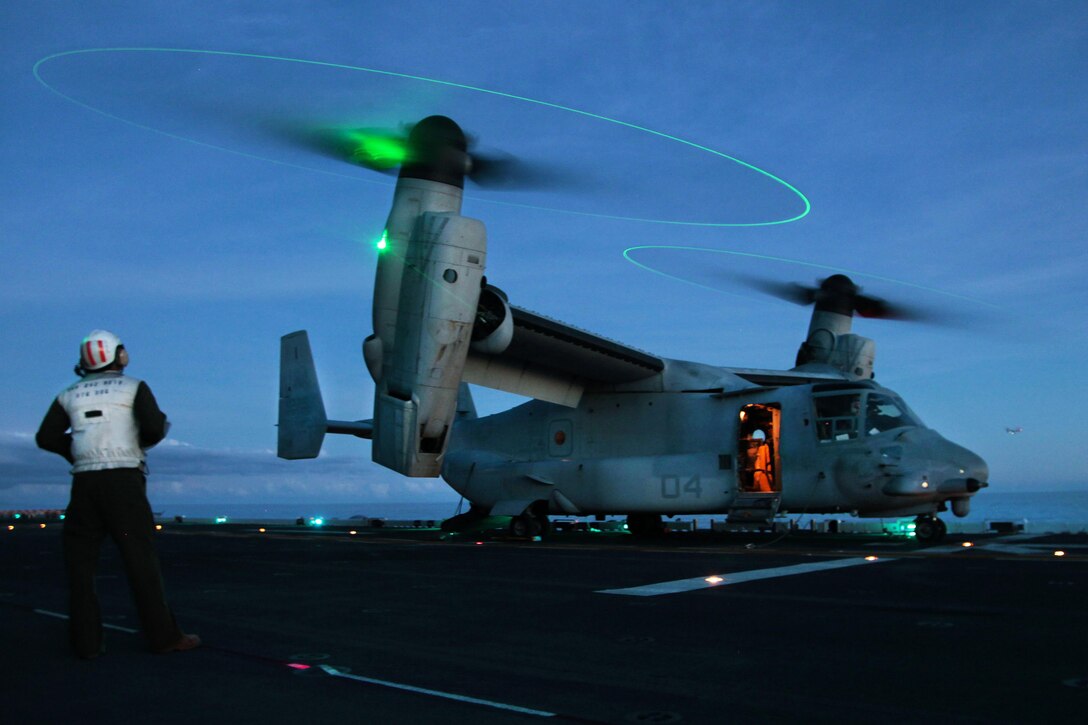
(671, 487)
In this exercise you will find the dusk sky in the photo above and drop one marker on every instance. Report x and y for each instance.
(942, 147)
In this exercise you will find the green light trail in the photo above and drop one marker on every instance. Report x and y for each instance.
(511, 96)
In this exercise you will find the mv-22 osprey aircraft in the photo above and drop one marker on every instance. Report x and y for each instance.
(611, 429)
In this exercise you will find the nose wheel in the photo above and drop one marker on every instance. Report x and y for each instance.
(929, 529)
(530, 524)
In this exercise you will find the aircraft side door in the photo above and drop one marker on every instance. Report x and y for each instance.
(758, 459)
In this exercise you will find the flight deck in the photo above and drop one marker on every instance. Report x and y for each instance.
(343, 623)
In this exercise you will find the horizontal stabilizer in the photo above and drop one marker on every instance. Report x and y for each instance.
(358, 428)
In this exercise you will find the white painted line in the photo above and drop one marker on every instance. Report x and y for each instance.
(436, 693)
(1026, 549)
(58, 615)
(947, 549)
(47, 613)
(739, 577)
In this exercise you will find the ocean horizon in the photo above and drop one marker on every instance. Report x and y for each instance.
(1036, 508)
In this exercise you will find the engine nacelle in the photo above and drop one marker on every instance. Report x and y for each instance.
(492, 331)
(829, 340)
(854, 355)
(494, 328)
(419, 374)
(372, 356)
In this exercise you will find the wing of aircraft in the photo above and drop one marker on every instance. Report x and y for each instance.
(778, 378)
(553, 361)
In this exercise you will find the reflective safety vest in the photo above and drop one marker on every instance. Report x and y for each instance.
(105, 434)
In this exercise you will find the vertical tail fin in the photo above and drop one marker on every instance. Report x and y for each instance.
(466, 406)
(302, 421)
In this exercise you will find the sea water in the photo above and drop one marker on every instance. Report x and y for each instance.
(1036, 510)
(1043, 510)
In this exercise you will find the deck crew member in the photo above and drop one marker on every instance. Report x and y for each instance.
(103, 425)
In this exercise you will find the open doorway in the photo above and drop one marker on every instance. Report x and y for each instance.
(758, 461)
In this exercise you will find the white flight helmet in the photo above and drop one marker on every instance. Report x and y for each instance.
(98, 350)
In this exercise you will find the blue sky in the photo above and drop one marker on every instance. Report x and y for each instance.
(942, 145)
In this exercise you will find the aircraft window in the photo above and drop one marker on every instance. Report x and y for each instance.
(883, 412)
(837, 417)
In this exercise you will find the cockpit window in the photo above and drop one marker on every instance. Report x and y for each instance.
(883, 412)
(837, 417)
(844, 417)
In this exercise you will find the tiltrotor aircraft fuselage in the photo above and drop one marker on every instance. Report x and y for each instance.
(611, 429)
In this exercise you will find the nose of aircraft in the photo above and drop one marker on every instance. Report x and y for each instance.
(963, 468)
(975, 467)
(952, 467)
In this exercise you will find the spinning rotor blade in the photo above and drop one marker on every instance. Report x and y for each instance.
(434, 141)
(789, 291)
(382, 150)
(875, 307)
(500, 171)
(376, 149)
(839, 293)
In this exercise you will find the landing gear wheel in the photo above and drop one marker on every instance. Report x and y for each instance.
(645, 525)
(524, 526)
(929, 529)
(544, 527)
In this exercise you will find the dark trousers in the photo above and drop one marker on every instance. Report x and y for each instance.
(114, 503)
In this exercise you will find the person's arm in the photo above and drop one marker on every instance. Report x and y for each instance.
(152, 421)
(53, 435)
